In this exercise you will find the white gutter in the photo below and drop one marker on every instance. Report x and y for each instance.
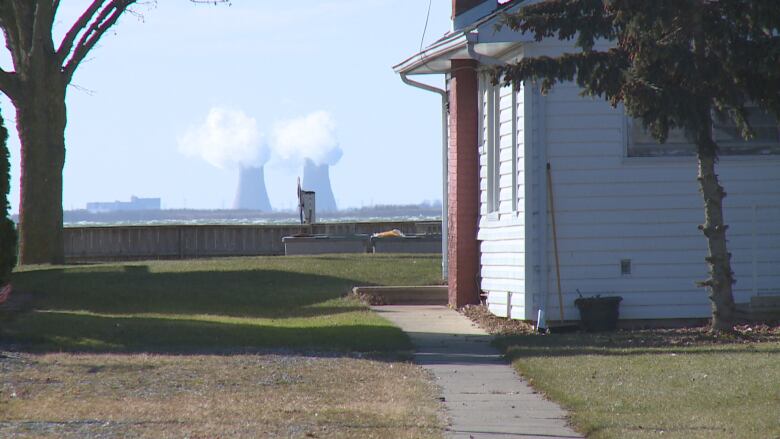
(448, 44)
(444, 166)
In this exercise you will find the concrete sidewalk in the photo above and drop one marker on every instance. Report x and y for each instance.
(483, 395)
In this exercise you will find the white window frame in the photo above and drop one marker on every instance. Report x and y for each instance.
(493, 147)
(515, 146)
(490, 116)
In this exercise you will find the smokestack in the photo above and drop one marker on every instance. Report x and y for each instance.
(251, 193)
(317, 178)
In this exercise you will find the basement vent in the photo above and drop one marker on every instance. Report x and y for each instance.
(625, 267)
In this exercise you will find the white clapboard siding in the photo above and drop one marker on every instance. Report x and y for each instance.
(502, 246)
(517, 306)
(499, 230)
(508, 259)
(502, 272)
(611, 208)
(502, 232)
(514, 286)
(498, 303)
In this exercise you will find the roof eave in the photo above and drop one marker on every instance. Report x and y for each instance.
(435, 59)
(428, 60)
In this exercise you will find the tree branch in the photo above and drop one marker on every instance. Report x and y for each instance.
(8, 24)
(7, 18)
(43, 20)
(66, 45)
(106, 18)
(70, 37)
(13, 30)
(598, 72)
(92, 25)
(8, 83)
(585, 20)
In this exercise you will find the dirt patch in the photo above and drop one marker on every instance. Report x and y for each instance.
(493, 324)
(686, 336)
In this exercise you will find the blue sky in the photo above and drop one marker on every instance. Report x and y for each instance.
(152, 80)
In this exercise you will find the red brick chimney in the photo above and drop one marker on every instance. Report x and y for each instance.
(461, 6)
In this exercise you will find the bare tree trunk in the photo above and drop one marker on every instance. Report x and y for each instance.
(40, 120)
(718, 259)
(37, 87)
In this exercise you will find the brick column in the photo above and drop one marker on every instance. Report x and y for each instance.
(463, 211)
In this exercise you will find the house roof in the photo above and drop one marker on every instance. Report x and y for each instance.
(483, 35)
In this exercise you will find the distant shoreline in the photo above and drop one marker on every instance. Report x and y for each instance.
(80, 218)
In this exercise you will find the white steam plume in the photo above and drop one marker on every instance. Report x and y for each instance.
(310, 137)
(227, 138)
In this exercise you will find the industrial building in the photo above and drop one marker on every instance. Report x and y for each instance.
(135, 204)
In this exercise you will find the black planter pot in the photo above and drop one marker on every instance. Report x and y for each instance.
(598, 313)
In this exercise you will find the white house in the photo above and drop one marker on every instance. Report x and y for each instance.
(626, 209)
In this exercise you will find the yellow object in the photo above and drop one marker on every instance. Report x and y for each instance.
(395, 233)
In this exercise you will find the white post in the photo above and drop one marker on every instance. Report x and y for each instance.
(754, 245)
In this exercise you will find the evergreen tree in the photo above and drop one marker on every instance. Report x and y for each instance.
(673, 64)
(7, 228)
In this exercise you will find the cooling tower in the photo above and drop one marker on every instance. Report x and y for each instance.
(317, 178)
(251, 194)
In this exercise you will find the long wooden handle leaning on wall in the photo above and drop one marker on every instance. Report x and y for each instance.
(555, 238)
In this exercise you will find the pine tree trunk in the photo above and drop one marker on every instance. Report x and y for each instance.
(718, 259)
(40, 120)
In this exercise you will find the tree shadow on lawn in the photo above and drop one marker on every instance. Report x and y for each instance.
(193, 311)
(254, 293)
(627, 343)
(67, 332)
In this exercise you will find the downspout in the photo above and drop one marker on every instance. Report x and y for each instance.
(444, 158)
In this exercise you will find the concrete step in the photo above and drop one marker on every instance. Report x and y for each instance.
(421, 295)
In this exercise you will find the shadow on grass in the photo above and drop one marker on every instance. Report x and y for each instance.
(62, 331)
(131, 309)
(132, 289)
(624, 343)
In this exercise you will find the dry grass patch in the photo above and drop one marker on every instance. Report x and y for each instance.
(181, 349)
(110, 395)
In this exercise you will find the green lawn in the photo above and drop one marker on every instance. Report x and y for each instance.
(233, 348)
(673, 384)
(223, 304)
